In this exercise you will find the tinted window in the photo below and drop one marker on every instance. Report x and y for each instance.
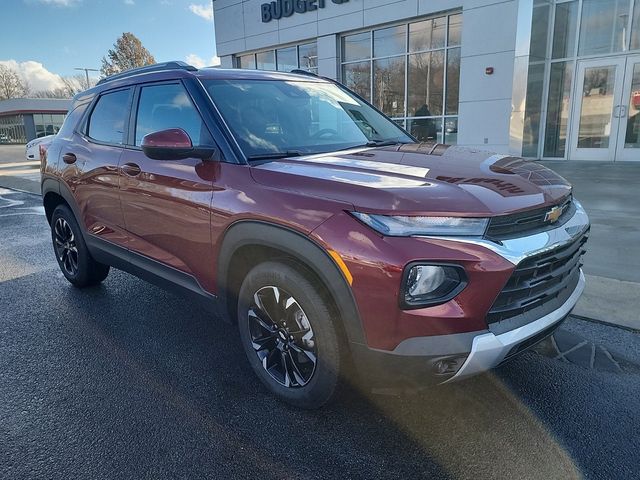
(310, 117)
(107, 120)
(71, 122)
(168, 106)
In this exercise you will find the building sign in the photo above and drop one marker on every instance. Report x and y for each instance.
(285, 8)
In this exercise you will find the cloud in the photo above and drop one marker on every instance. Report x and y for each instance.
(129, 2)
(199, 62)
(205, 10)
(38, 77)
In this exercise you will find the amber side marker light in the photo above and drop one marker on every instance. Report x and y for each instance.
(343, 266)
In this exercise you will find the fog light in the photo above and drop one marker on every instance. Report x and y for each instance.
(431, 284)
(449, 365)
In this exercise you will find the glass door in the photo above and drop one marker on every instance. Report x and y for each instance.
(596, 109)
(629, 113)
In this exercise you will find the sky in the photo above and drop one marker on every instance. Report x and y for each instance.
(46, 39)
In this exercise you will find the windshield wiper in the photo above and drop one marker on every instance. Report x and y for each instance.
(382, 143)
(375, 143)
(275, 155)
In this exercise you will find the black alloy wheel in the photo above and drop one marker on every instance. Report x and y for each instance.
(65, 246)
(75, 261)
(282, 337)
(289, 332)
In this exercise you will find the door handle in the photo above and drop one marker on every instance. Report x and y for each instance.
(623, 111)
(69, 158)
(131, 169)
(616, 111)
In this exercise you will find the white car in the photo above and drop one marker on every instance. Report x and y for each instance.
(32, 150)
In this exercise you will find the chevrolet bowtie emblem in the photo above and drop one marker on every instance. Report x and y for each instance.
(553, 215)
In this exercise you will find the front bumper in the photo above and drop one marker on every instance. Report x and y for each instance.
(489, 350)
(487, 346)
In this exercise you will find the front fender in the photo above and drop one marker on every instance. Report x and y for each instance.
(304, 250)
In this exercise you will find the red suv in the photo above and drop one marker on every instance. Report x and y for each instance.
(340, 246)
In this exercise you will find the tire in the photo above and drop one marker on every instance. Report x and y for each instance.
(72, 254)
(310, 329)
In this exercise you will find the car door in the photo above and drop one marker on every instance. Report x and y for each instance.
(166, 203)
(89, 161)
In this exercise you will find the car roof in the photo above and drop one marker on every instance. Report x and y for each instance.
(243, 74)
(210, 73)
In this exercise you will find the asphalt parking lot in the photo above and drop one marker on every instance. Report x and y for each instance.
(126, 380)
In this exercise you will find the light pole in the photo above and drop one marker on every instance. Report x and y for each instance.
(86, 72)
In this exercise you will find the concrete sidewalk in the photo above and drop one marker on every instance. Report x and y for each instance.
(17, 172)
(610, 192)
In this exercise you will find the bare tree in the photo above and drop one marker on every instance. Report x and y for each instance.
(76, 84)
(52, 93)
(127, 53)
(11, 84)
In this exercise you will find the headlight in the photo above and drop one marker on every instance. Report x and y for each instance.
(405, 226)
(425, 285)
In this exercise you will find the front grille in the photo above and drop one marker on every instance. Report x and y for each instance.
(532, 221)
(540, 281)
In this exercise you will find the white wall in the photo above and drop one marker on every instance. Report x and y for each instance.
(488, 40)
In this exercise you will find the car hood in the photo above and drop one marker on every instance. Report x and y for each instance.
(419, 179)
(38, 141)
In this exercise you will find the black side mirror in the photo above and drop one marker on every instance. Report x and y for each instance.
(173, 144)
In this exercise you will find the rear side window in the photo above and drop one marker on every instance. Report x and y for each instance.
(71, 122)
(168, 106)
(106, 123)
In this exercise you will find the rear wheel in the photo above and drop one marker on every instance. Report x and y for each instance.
(74, 259)
(288, 334)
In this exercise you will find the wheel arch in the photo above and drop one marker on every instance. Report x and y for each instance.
(247, 243)
(55, 193)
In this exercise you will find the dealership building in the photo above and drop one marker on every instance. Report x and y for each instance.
(538, 78)
(23, 119)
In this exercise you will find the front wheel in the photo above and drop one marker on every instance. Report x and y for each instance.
(74, 259)
(288, 334)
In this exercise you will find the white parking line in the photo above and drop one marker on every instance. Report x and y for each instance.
(10, 173)
(18, 164)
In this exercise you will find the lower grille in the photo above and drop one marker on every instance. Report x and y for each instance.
(539, 281)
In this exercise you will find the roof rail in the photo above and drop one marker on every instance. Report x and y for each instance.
(299, 71)
(156, 67)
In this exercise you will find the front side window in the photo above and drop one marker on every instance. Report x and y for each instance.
(106, 123)
(168, 106)
(306, 117)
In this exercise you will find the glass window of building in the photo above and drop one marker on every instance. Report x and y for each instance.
(635, 27)
(564, 30)
(390, 41)
(356, 47)
(287, 59)
(247, 61)
(411, 72)
(12, 129)
(603, 26)
(558, 106)
(577, 31)
(308, 57)
(47, 123)
(266, 60)
(303, 56)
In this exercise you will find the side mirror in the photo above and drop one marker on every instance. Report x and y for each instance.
(173, 144)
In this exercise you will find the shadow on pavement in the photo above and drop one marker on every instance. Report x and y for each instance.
(125, 380)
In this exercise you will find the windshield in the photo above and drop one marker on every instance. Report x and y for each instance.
(298, 117)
